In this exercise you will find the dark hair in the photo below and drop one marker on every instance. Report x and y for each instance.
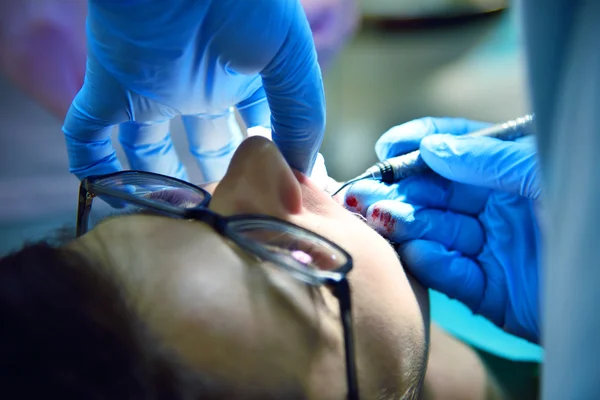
(66, 332)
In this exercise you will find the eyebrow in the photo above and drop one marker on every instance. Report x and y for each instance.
(169, 196)
(314, 291)
(166, 196)
(141, 211)
(174, 197)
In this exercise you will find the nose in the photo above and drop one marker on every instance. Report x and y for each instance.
(258, 181)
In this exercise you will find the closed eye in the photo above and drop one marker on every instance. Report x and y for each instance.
(176, 197)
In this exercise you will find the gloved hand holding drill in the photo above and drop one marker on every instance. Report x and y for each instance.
(469, 230)
(141, 73)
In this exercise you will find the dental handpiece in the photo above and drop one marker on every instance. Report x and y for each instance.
(398, 168)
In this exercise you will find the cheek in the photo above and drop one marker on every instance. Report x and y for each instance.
(391, 316)
(390, 332)
(385, 298)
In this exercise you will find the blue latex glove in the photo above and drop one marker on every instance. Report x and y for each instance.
(470, 232)
(151, 60)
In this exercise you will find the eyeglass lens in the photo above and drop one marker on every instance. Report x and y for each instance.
(300, 246)
(158, 189)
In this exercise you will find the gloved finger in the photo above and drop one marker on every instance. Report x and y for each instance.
(492, 163)
(100, 104)
(294, 87)
(275, 41)
(530, 139)
(212, 140)
(319, 173)
(405, 138)
(400, 222)
(434, 191)
(361, 195)
(427, 190)
(255, 110)
(444, 270)
(148, 147)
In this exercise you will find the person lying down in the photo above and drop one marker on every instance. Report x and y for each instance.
(148, 306)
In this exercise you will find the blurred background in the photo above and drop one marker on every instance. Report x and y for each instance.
(413, 59)
(389, 62)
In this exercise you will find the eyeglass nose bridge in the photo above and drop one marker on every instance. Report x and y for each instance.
(204, 214)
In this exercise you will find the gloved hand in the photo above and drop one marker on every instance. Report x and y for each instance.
(318, 174)
(471, 231)
(149, 61)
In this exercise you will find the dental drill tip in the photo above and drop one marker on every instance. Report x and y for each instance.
(343, 186)
(351, 181)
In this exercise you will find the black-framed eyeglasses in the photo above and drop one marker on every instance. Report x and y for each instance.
(302, 253)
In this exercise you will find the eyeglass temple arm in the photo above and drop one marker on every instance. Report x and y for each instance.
(84, 207)
(342, 292)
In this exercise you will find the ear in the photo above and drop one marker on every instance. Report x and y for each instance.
(258, 180)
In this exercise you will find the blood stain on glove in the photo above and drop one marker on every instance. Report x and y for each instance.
(351, 201)
(382, 221)
(353, 205)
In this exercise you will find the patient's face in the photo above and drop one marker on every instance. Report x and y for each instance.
(232, 317)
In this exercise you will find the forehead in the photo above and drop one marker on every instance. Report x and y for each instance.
(207, 301)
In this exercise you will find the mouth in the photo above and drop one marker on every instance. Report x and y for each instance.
(359, 216)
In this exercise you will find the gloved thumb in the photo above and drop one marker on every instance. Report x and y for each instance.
(447, 271)
(485, 162)
(319, 173)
